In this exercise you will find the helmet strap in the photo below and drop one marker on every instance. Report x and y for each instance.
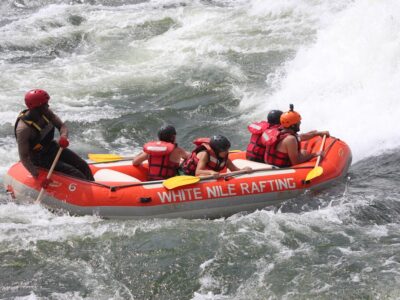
(34, 114)
(295, 127)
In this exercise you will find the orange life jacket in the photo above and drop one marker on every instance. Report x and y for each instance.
(160, 166)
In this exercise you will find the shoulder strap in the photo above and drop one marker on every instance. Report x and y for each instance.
(201, 140)
(258, 127)
(158, 148)
(271, 136)
(21, 116)
(25, 118)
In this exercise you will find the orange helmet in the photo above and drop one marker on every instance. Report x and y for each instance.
(290, 117)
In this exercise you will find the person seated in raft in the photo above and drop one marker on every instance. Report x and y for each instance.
(282, 145)
(210, 157)
(34, 131)
(164, 156)
(256, 148)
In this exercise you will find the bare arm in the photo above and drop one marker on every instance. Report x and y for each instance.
(187, 155)
(201, 169)
(183, 153)
(138, 159)
(295, 156)
(311, 134)
(23, 134)
(178, 154)
(232, 167)
(60, 125)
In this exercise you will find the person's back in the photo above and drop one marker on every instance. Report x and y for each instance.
(164, 156)
(177, 155)
(256, 148)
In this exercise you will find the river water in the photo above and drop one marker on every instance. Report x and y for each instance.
(118, 70)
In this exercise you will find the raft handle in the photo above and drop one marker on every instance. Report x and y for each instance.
(10, 193)
(145, 199)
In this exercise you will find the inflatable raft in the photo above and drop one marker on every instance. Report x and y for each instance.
(121, 190)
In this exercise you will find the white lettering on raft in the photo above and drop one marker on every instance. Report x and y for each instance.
(227, 190)
(180, 195)
(220, 191)
(273, 185)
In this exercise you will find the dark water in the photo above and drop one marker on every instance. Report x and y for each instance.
(118, 70)
(339, 244)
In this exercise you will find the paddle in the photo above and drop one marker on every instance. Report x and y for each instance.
(39, 198)
(317, 171)
(115, 157)
(178, 181)
(107, 157)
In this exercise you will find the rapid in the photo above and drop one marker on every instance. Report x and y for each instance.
(118, 70)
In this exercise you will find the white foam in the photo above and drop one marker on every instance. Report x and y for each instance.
(347, 81)
(22, 226)
(8, 153)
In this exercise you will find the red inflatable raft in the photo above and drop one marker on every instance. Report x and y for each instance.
(121, 190)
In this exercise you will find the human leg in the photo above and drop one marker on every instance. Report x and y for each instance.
(70, 158)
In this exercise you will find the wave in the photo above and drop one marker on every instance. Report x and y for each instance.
(347, 80)
(337, 62)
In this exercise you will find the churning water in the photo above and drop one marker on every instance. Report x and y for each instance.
(117, 70)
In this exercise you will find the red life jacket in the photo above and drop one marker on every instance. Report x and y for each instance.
(271, 138)
(160, 167)
(215, 163)
(256, 148)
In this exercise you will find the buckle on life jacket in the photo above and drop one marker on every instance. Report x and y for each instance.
(38, 147)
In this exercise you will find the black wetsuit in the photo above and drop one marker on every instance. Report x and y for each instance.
(34, 131)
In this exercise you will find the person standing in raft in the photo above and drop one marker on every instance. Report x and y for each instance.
(210, 157)
(34, 130)
(283, 143)
(256, 148)
(164, 156)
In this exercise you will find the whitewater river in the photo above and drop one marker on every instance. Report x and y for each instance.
(118, 70)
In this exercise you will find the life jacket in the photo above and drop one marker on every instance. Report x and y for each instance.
(215, 163)
(256, 148)
(45, 134)
(160, 166)
(271, 138)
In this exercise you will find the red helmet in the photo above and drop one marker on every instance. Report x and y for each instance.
(36, 98)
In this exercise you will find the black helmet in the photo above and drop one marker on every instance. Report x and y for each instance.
(219, 143)
(274, 117)
(167, 133)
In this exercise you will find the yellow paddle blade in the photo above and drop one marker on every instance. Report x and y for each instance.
(317, 171)
(178, 181)
(104, 157)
